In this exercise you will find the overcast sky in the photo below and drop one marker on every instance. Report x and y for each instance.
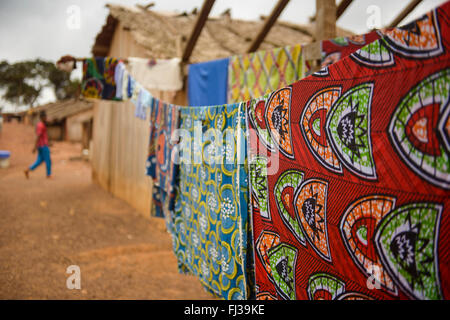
(32, 29)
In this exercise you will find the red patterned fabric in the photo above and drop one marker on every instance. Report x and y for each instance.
(359, 205)
(341, 47)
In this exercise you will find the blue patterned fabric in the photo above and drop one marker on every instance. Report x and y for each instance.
(160, 166)
(151, 158)
(210, 220)
(131, 86)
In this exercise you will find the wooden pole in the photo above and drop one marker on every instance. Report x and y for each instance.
(268, 25)
(411, 6)
(325, 19)
(201, 20)
(342, 6)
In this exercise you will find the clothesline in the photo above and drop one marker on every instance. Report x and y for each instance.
(239, 87)
(206, 89)
(360, 187)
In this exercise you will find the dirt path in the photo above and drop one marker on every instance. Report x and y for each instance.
(48, 225)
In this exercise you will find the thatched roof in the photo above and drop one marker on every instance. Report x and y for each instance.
(164, 35)
(59, 110)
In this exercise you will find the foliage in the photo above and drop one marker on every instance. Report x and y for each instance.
(24, 81)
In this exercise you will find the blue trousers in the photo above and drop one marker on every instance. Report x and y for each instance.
(43, 155)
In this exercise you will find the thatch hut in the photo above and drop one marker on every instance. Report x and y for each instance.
(69, 120)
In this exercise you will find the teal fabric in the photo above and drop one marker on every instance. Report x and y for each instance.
(210, 220)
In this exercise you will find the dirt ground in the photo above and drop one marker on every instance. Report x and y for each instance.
(48, 225)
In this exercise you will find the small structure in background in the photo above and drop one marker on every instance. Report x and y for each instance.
(135, 31)
(69, 120)
(10, 116)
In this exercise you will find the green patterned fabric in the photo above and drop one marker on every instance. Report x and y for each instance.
(255, 74)
(210, 221)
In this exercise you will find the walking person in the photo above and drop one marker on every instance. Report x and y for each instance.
(41, 146)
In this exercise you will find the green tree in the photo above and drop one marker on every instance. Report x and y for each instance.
(24, 81)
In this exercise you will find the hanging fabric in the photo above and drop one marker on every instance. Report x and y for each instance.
(335, 49)
(143, 102)
(207, 83)
(350, 175)
(345, 174)
(156, 74)
(98, 78)
(210, 220)
(164, 120)
(255, 74)
(119, 79)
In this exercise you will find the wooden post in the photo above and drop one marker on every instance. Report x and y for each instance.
(201, 20)
(270, 21)
(342, 6)
(411, 6)
(325, 19)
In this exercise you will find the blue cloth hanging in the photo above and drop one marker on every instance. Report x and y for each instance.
(207, 83)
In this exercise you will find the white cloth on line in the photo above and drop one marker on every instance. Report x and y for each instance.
(125, 80)
(118, 79)
(159, 74)
(143, 102)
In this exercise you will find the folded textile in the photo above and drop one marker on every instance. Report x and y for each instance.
(350, 175)
(210, 220)
(98, 78)
(207, 83)
(157, 74)
(254, 74)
